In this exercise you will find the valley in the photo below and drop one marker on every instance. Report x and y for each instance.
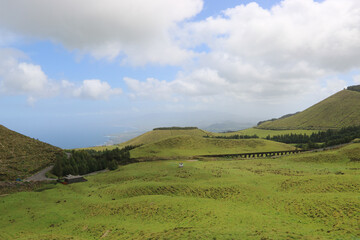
(147, 195)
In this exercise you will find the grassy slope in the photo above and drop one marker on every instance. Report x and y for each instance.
(340, 110)
(262, 133)
(294, 197)
(155, 136)
(21, 155)
(191, 146)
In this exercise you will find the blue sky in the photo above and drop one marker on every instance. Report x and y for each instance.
(74, 72)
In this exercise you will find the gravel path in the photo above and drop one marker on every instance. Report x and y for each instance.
(40, 176)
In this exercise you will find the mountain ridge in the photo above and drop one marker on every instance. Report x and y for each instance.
(342, 109)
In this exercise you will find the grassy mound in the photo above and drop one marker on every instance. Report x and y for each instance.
(283, 198)
(158, 135)
(20, 155)
(191, 146)
(340, 110)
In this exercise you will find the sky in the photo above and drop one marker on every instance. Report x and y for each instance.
(74, 72)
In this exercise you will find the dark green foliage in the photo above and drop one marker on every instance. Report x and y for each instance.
(113, 165)
(176, 128)
(354, 88)
(274, 119)
(87, 161)
(236, 136)
(326, 139)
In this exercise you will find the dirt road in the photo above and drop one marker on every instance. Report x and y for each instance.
(40, 176)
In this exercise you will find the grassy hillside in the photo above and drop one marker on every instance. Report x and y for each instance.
(191, 146)
(263, 133)
(157, 135)
(20, 155)
(304, 196)
(340, 110)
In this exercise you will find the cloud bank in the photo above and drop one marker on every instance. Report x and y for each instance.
(138, 29)
(248, 53)
(294, 48)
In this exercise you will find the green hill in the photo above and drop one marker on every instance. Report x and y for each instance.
(339, 110)
(193, 145)
(157, 135)
(21, 156)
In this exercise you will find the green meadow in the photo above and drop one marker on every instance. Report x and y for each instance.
(187, 146)
(305, 196)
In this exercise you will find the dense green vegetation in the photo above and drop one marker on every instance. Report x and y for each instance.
(188, 146)
(20, 156)
(175, 128)
(87, 161)
(304, 196)
(235, 136)
(339, 110)
(354, 88)
(322, 138)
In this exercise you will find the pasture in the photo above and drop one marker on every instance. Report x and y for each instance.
(304, 196)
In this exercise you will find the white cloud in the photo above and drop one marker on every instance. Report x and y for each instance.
(254, 54)
(138, 28)
(332, 86)
(22, 78)
(270, 55)
(18, 77)
(356, 79)
(151, 88)
(96, 90)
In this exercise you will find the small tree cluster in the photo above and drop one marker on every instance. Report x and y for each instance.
(354, 88)
(235, 136)
(87, 161)
(175, 128)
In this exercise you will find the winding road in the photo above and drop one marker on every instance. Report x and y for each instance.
(40, 176)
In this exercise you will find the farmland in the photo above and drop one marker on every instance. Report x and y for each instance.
(304, 196)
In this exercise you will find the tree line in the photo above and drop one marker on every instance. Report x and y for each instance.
(320, 139)
(175, 128)
(87, 161)
(354, 88)
(235, 136)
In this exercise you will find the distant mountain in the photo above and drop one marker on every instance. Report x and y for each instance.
(20, 156)
(339, 110)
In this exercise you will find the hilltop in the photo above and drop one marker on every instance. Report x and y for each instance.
(21, 156)
(339, 110)
(159, 134)
(180, 146)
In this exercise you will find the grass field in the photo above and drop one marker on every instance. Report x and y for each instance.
(339, 110)
(190, 146)
(304, 196)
